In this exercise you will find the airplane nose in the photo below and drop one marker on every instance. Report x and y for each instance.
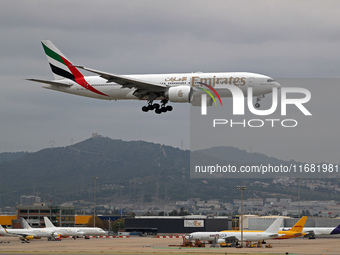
(277, 85)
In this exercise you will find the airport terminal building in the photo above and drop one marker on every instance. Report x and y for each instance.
(34, 215)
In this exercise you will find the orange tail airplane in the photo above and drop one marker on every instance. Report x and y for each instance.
(295, 231)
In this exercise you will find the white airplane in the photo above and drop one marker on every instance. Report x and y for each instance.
(313, 232)
(27, 233)
(74, 231)
(175, 87)
(270, 233)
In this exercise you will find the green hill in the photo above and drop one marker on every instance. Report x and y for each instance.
(134, 171)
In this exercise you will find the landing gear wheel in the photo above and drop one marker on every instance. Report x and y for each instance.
(157, 107)
(257, 105)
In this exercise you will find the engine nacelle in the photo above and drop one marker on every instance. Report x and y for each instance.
(221, 240)
(29, 237)
(179, 94)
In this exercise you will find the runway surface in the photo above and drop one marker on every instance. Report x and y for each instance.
(149, 245)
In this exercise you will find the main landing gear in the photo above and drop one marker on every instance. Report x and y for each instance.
(158, 108)
(258, 99)
(24, 240)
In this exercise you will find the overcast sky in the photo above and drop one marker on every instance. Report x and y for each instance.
(277, 38)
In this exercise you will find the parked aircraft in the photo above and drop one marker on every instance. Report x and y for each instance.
(76, 231)
(295, 231)
(314, 232)
(175, 87)
(27, 233)
(270, 233)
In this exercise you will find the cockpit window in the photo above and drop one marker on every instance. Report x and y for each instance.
(270, 80)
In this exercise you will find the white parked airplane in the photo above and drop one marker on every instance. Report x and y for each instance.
(28, 232)
(270, 233)
(74, 231)
(313, 232)
(175, 87)
(54, 232)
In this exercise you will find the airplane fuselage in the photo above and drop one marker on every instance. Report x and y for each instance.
(220, 81)
(27, 232)
(221, 236)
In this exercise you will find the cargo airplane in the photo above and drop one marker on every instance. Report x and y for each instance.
(174, 87)
(270, 233)
(312, 232)
(295, 231)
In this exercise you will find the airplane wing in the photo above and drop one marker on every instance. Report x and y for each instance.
(232, 238)
(21, 235)
(128, 82)
(275, 235)
(24, 235)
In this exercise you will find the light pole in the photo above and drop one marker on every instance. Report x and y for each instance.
(298, 179)
(94, 200)
(242, 188)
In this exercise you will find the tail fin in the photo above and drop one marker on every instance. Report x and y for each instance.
(62, 68)
(275, 226)
(336, 230)
(298, 227)
(24, 224)
(60, 65)
(3, 231)
(48, 223)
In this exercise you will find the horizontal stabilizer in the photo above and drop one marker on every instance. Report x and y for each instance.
(53, 83)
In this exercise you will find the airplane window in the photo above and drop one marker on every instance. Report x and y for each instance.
(270, 80)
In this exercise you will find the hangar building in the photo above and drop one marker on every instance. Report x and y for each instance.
(177, 224)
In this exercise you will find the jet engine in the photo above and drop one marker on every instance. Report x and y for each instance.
(220, 240)
(179, 94)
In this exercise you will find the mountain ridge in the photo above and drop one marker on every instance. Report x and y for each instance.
(130, 170)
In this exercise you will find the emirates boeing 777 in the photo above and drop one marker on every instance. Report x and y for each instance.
(175, 87)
